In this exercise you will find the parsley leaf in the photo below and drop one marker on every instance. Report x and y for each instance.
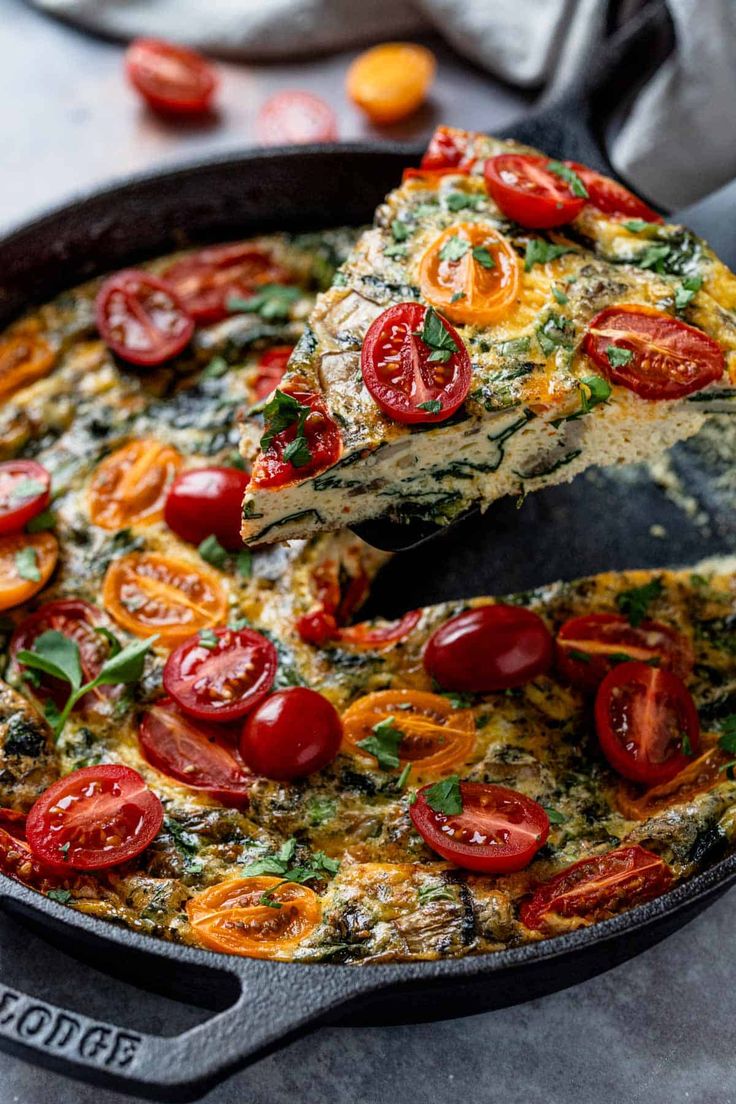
(428, 893)
(384, 743)
(319, 867)
(279, 414)
(436, 335)
(570, 177)
(593, 390)
(216, 368)
(483, 257)
(634, 603)
(555, 817)
(432, 406)
(297, 451)
(399, 231)
(459, 201)
(560, 296)
(637, 225)
(396, 251)
(539, 251)
(445, 796)
(63, 896)
(208, 638)
(653, 257)
(212, 551)
(244, 563)
(272, 301)
(687, 290)
(320, 809)
(618, 357)
(454, 249)
(26, 564)
(727, 738)
(555, 332)
(41, 522)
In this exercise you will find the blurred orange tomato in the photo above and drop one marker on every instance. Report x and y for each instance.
(391, 81)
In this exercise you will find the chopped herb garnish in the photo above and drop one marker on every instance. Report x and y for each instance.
(244, 563)
(396, 251)
(320, 809)
(483, 257)
(687, 290)
(459, 700)
(570, 177)
(384, 743)
(63, 896)
(539, 251)
(279, 414)
(634, 603)
(457, 296)
(399, 231)
(556, 332)
(435, 334)
(319, 867)
(428, 893)
(208, 638)
(653, 257)
(41, 522)
(403, 777)
(216, 368)
(272, 301)
(687, 747)
(555, 816)
(454, 249)
(581, 657)
(727, 738)
(212, 551)
(459, 201)
(26, 564)
(432, 406)
(560, 296)
(593, 391)
(445, 796)
(297, 451)
(637, 225)
(618, 357)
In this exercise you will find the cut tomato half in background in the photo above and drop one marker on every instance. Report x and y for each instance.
(390, 81)
(25, 357)
(25, 490)
(171, 78)
(141, 318)
(447, 149)
(204, 281)
(295, 118)
(27, 562)
(270, 370)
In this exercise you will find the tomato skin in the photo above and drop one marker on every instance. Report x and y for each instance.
(447, 149)
(641, 714)
(390, 81)
(323, 438)
(489, 648)
(595, 888)
(669, 358)
(206, 280)
(207, 501)
(486, 294)
(16, 511)
(88, 808)
(291, 734)
(201, 755)
(129, 486)
(364, 635)
(169, 77)
(522, 826)
(271, 368)
(612, 198)
(602, 636)
(14, 589)
(25, 356)
(397, 371)
(295, 118)
(527, 192)
(231, 916)
(141, 319)
(206, 682)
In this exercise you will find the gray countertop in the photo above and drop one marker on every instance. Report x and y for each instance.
(657, 1029)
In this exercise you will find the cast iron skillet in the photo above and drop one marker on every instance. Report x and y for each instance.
(260, 1005)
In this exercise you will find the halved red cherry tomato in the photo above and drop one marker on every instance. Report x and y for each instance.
(295, 118)
(647, 723)
(489, 648)
(291, 734)
(221, 675)
(498, 830)
(588, 647)
(27, 562)
(206, 280)
(141, 318)
(129, 486)
(202, 756)
(599, 887)
(170, 78)
(318, 627)
(25, 490)
(270, 370)
(612, 198)
(372, 635)
(448, 149)
(94, 818)
(207, 501)
(529, 193)
(274, 467)
(667, 358)
(77, 620)
(400, 373)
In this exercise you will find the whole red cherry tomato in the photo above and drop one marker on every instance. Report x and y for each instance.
(588, 647)
(170, 78)
(25, 490)
(205, 502)
(141, 318)
(292, 733)
(527, 191)
(221, 674)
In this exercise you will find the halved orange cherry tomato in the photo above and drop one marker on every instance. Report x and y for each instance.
(435, 738)
(170, 77)
(295, 118)
(470, 273)
(404, 373)
(129, 486)
(700, 775)
(270, 370)
(204, 281)
(141, 318)
(259, 917)
(391, 81)
(25, 490)
(596, 888)
(448, 149)
(529, 193)
(588, 647)
(651, 353)
(223, 677)
(24, 358)
(148, 594)
(612, 198)
(646, 722)
(27, 561)
(276, 465)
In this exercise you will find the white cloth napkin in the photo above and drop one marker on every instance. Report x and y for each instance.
(677, 144)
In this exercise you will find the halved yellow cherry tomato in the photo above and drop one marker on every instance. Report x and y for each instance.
(129, 486)
(697, 777)
(471, 273)
(148, 593)
(391, 81)
(25, 356)
(260, 917)
(27, 561)
(435, 737)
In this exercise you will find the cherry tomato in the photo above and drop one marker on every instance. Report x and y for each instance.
(645, 719)
(429, 178)
(205, 281)
(598, 887)
(489, 648)
(498, 830)
(260, 917)
(17, 860)
(221, 676)
(371, 636)
(291, 734)
(477, 286)
(390, 81)
(78, 621)
(588, 647)
(529, 193)
(400, 374)
(202, 756)
(272, 468)
(270, 370)
(699, 776)
(170, 78)
(13, 822)
(207, 501)
(448, 149)
(25, 490)
(295, 118)
(148, 593)
(435, 738)
(94, 818)
(141, 318)
(129, 486)
(27, 562)
(25, 357)
(612, 198)
(667, 358)
(317, 627)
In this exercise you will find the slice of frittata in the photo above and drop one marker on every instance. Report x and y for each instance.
(461, 355)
